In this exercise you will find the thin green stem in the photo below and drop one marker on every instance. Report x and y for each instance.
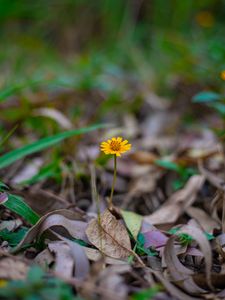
(113, 183)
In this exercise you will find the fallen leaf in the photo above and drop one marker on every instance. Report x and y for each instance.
(44, 259)
(133, 222)
(10, 225)
(178, 272)
(205, 248)
(154, 238)
(13, 269)
(177, 203)
(110, 236)
(144, 157)
(64, 261)
(63, 218)
(206, 222)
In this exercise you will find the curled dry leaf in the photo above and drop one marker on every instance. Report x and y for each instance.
(206, 222)
(63, 218)
(179, 273)
(205, 248)
(177, 203)
(81, 263)
(211, 177)
(44, 259)
(110, 236)
(172, 289)
(64, 261)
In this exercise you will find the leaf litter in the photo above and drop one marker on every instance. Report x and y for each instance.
(162, 239)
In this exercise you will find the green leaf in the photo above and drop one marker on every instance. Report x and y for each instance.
(167, 164)
(133, 222)
(14, 155)
(205, 97)
(3, 187)
(219, 107)
(147, 294)
(18, 206)
(13, 238)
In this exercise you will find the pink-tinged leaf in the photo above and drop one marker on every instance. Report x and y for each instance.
(3, 198)
(155, 238)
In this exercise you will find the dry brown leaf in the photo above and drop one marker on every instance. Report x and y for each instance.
(172, 289)
(62, 218)
(44, 259)
(205, 248)
(110, 280)
(10, 225)
(42, 201)
(206, 222)
(81, 263)
(211, 177)
(110, 237)
(177, 203)
(64, 261)
(13, 269)
(95, 255)
(179, 273)
(144, 157)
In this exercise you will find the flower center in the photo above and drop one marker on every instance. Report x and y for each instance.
(115, 146)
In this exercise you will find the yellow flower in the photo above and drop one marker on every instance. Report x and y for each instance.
(3, 283)
(205, 19)
(115, 146)
(222, 75)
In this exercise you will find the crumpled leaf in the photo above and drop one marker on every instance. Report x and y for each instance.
(177, 203)
(110, 236)
(133, 222)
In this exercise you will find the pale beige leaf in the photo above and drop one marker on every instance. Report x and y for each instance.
(206, 222)
(177, 203)
(13, 269)
(110, 237)
(95, 255)
(205, 248)
(64, 261)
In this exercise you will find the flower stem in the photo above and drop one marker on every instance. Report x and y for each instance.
(113, 183)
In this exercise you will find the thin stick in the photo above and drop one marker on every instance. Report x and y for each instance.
(113, 183)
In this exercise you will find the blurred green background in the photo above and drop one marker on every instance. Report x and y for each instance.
(158, 39)
(108, 52)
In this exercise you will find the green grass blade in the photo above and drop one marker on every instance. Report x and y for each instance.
(18, 206)
(14, 155)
